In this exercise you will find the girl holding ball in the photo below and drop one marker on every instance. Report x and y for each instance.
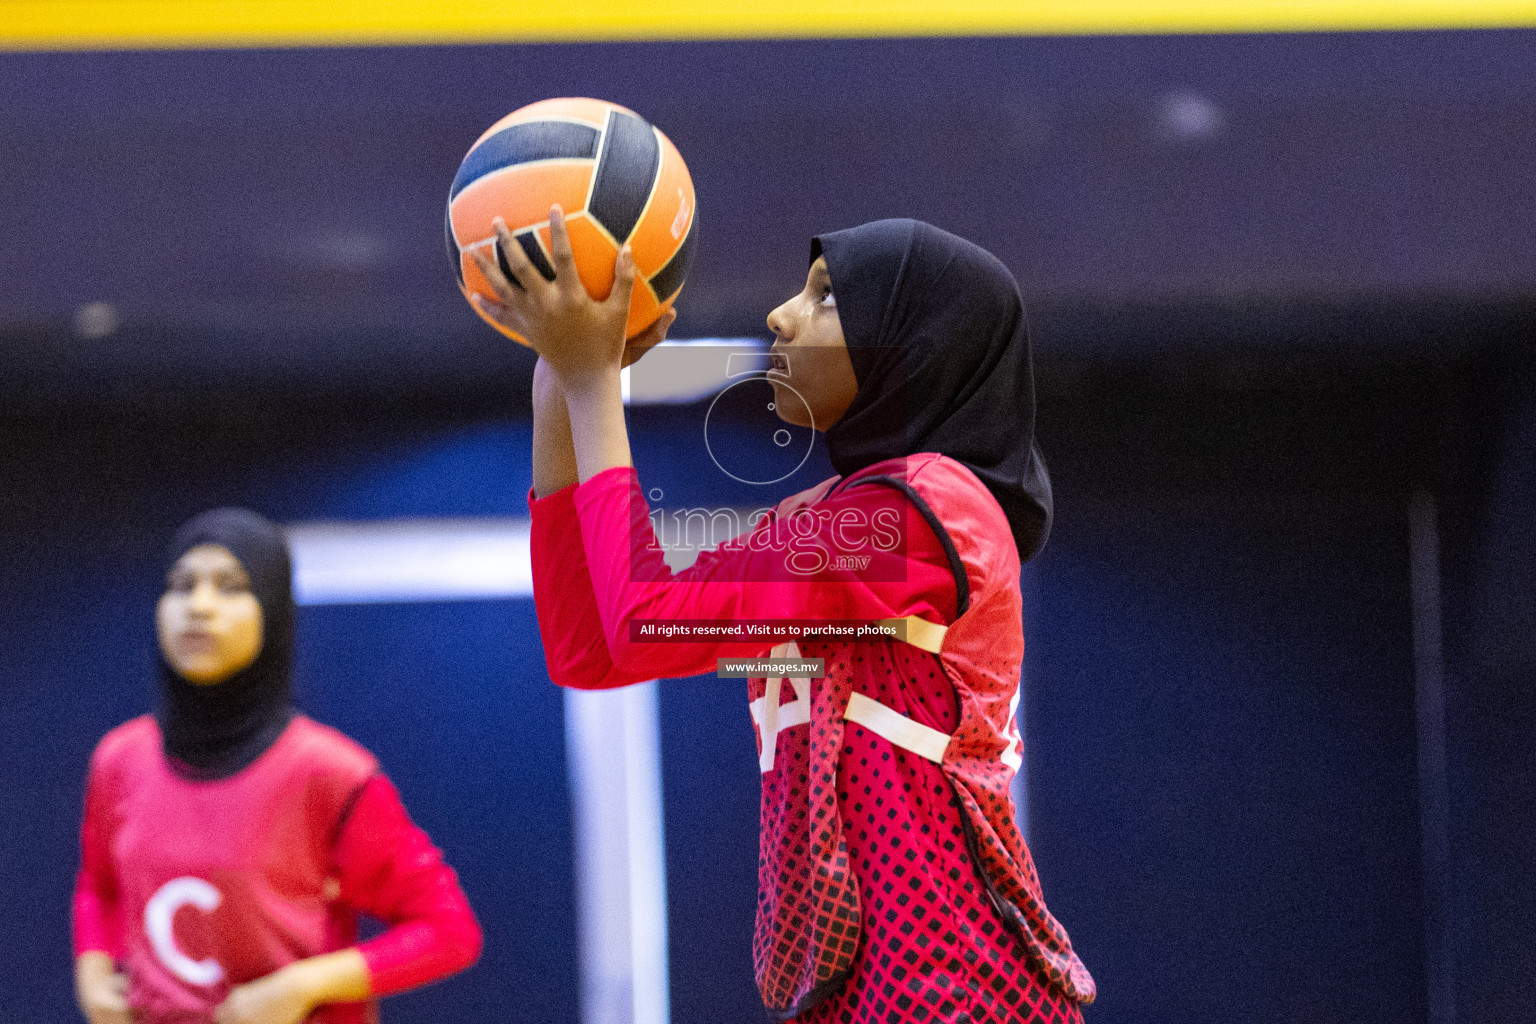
(894, 884)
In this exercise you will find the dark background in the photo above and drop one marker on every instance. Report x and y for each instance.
(1278, 286)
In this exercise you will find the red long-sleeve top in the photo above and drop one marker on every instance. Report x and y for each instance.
(197, 886)
(596, 566)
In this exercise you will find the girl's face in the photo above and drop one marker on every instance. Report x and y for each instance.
(208, 620)
(809, 357)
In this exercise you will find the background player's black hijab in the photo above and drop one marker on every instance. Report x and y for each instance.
(936, 332)
(215, 731)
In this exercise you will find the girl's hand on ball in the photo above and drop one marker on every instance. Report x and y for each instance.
(649, 338)
(581, 338)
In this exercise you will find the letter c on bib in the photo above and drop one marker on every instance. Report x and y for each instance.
(160, 913)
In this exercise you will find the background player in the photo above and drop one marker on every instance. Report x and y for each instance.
(229, 843)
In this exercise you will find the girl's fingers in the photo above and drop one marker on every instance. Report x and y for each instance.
(562, 257)
(507, 316)
(504, 289)
(514, 261)
(491, 309)
(649, 338)
(623, 278)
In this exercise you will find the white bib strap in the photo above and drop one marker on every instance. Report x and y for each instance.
(772, 719)
(920, 633)
(768, 724)
(896, 727)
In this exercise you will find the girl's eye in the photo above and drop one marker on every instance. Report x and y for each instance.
(827, 299)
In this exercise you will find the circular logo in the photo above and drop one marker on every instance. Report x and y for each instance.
(747, 440)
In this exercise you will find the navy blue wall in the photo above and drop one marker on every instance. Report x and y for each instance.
(709, 764)
(1222, 755)
(1491, 711)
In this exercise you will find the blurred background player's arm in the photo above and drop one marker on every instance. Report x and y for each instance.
(100, 989)
(387, 868)
(289, 995)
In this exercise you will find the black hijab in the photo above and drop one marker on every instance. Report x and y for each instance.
(212, 732)
(936, 332)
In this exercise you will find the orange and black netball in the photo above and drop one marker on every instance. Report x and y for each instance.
(618, 179)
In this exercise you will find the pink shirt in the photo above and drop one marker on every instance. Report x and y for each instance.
(197, 886)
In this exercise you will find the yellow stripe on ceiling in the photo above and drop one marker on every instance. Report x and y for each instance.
(144, 24)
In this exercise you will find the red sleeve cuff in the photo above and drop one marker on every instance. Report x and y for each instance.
(614, 478)
(418, 954)
(563, 498)
(96, 929)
